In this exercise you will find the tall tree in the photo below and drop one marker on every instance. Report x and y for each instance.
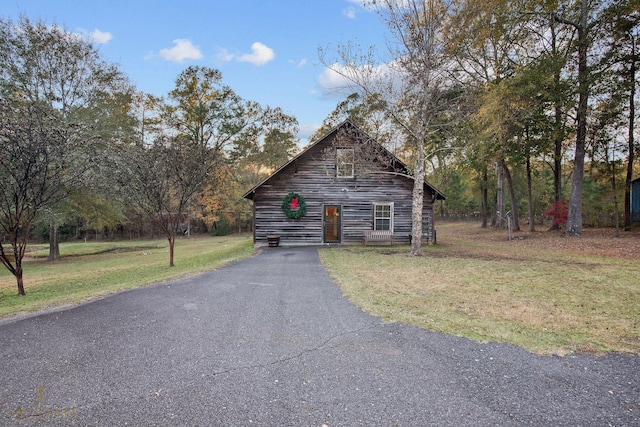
(410, 84)
(274, 132)
(582, 25)
(164, 179)
(203, 119)
(40, 159)
(47, 64)
(366, 112)
(548, 51)
(620, 62)
(582, 16)
(49, 80)
(206, 111)
(486, 40)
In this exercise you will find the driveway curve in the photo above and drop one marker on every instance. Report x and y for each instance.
(270, 341)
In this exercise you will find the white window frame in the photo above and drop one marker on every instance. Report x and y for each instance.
(376, 217)
(341, 165)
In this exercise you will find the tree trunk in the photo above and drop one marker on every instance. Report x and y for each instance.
(615, 193)
(13, 263)
(417, 202)
(532, 219)
(18, 276)
(172, 242)
(557, 161)
(512, 195)
(574, 218)
(54, 242)
(484, 196)
(558, 133)
(631, 144)
(499, 196)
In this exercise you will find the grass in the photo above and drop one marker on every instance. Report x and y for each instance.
(546, 292)
(91, 270)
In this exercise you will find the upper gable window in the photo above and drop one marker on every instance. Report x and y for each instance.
(345, 163)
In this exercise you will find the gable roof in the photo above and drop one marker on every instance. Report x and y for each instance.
(347, 123)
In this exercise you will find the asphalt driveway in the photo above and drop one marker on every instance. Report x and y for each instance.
(270, 341)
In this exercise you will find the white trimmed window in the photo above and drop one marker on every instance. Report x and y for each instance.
(344, 163)
(383, 216)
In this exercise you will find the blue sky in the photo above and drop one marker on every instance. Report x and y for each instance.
(267, 51)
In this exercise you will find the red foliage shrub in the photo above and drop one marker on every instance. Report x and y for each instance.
(559, 211)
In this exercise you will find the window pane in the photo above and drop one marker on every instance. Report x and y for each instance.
(383, 211)
(383, 224)
(345, 169)
(382, 216)
(344, 162)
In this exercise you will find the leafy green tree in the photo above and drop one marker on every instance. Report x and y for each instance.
(620, 80)
(274, 135)
(268, 143)
(459, 202)
(50, 80)
(486, 40)
(206, 111)
(278, 147)
(203, 120)
(40, 160)
(583, 17)
(46, 64)
(366, 112)
(582, 25)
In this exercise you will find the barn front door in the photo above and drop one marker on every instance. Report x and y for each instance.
(332, 224)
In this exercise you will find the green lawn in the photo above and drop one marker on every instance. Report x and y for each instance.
(96, 269)
(548, 295)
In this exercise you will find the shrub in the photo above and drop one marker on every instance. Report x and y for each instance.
(559, 211)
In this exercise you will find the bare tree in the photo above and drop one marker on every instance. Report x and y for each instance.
(165, 177)
(163, 180)
(411, 83)
(40, 160)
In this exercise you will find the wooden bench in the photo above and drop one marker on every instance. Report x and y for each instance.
(378, 236)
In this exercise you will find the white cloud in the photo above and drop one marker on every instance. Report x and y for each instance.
(300, 63)
(182, 49)
(95, 36)
(224, 55)
(307, 129)
(332, 80)
(350, 12)
(260, 54)
(100, 37)
(338, 80)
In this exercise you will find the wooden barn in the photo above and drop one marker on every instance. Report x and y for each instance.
(340, 189)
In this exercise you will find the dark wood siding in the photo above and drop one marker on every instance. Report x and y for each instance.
(312, 175)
